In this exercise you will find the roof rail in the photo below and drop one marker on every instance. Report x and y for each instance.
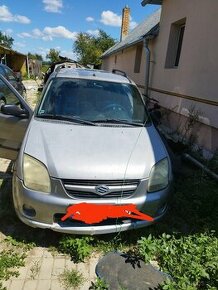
(119, 72)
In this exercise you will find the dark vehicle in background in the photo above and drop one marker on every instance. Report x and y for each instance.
(13, 79)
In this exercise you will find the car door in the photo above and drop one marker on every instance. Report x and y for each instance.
(12, 126)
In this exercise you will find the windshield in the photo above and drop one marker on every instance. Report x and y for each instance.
(93, 100)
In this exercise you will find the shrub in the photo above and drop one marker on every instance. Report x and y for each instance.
(77, 248)
(190, 260)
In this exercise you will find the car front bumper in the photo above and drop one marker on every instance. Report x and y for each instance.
(41, 210)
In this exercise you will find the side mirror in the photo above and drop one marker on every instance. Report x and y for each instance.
(14, 110)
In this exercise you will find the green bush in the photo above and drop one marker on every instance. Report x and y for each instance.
(71, 279)
(191, 261)
(77, 248)
(9, 260)
(99, 284)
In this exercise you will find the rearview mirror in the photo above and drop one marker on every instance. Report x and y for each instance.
(14, 110)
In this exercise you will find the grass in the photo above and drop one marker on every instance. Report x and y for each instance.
(34, 270)
(99, 284)
(191, 260)
(12, 256)
(9, 262)
(71, 279)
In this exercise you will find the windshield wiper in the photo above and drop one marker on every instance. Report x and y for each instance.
(119, 121)
(66, 118)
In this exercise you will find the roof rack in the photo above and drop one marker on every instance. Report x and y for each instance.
(67, 64)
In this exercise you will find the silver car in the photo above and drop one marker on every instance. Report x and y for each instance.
(90, 142)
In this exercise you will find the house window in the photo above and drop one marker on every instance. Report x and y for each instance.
(115, 59)
(138, 58)
(175, 44)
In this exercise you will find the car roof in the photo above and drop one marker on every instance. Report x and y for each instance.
(92, 74)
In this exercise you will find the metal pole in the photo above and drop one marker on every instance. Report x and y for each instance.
(200, 165)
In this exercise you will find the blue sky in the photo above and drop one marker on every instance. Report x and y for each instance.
(38, 25)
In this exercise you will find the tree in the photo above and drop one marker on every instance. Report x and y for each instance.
(90, 48)
(35, 56)
(6, 40)
(53, 55)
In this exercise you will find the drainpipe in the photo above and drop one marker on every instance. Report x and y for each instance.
(147, 66)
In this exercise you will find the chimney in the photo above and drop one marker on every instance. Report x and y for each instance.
(125, 22)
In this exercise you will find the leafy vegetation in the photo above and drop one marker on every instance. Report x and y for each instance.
(191, 260)
(77, 248)
(24, 245)
(53, 55)
(71, 279)
(6, 40)
(9, 261)
(34, 270)
(12, 256)
(99, 284)
(35, 56)
(89, 48)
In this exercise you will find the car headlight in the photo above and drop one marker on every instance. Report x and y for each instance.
(35, 175)
(159, 176)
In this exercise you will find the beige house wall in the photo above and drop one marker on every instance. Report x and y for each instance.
(125, 61)
(194, 83)
(196, 74)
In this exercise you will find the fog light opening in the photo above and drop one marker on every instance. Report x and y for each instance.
(29, 211)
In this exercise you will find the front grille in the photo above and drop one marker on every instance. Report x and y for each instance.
(87, 189)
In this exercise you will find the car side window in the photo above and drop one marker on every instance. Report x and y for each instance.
(7, 96)
(10, 75)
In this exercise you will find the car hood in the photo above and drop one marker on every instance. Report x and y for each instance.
(72, 151)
